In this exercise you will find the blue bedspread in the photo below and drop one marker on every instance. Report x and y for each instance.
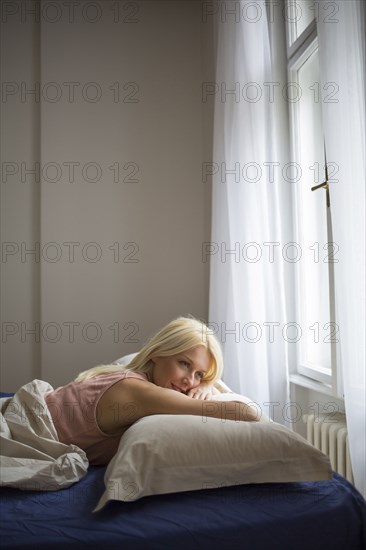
(287, 516)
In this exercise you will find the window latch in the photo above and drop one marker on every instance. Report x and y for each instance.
(324, 185)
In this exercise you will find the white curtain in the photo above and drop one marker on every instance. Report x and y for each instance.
(342, 69)
(247, 290)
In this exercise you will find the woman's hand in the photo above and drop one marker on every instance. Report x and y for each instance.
(204, 391)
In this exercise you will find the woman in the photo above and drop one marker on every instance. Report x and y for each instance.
(174, 373)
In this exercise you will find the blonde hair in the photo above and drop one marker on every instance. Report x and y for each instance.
(177, 336)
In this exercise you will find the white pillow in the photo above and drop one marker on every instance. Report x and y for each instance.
(125, 359)
(172, 453)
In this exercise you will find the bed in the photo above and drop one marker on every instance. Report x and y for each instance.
(303, 515)
(311, 515)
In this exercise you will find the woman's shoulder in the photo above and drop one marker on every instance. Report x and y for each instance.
(133, 374)
(107, 380)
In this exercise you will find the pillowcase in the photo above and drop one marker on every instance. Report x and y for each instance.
(173, 453)
(125, 359)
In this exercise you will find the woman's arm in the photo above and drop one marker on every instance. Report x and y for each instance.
(131, 399)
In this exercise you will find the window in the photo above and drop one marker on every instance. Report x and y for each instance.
(314, 277)
(299, 16)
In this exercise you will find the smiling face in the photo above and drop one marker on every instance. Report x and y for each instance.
(183, 371)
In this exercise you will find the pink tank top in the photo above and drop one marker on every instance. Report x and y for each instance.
(73, 411)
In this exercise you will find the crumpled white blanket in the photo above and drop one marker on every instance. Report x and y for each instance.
(31, 456)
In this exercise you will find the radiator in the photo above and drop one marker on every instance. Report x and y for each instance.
(328, 433)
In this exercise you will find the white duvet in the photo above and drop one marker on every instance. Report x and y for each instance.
(31, 456)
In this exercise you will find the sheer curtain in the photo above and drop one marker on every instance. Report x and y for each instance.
(342, 63)
(247, 290)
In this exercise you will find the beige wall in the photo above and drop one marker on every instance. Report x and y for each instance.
(91, 305)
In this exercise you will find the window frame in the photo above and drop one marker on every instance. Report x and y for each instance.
(311, 376)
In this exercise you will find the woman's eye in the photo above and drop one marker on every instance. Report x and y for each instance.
(184, 363)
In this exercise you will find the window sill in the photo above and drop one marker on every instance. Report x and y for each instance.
(305, 382)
